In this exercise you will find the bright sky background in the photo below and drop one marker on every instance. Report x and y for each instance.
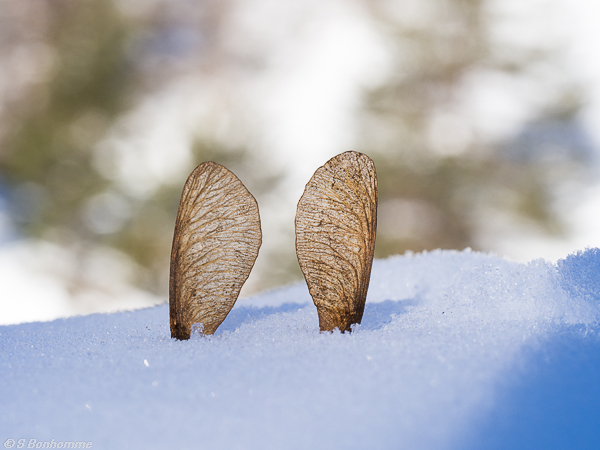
(320, 56)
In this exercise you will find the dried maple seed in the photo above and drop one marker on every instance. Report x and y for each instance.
(336, 221)
(216, 241)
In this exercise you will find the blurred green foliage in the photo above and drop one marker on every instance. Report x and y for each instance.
(429, 198)
(49, 164)
(49, 160)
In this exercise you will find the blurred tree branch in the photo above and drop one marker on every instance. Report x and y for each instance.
(102, 63)
(437, 177)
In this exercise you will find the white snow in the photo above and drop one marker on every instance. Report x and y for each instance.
(44, 281)
(443, 335)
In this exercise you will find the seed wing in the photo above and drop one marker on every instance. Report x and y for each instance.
(216, 241)
(336, 221)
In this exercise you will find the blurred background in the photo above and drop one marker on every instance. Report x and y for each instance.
(482, 117)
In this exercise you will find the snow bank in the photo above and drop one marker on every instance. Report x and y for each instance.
(445, 337)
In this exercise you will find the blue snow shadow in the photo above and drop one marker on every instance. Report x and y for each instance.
(554, 405)
(376, 315)
(247, 314)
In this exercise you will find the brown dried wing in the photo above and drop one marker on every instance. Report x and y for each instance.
(217, 237)
(336, 221)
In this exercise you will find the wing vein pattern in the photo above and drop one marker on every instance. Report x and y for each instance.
(216, 241)
(336, 222)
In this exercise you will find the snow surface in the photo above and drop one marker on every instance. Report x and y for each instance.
(456, 350)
